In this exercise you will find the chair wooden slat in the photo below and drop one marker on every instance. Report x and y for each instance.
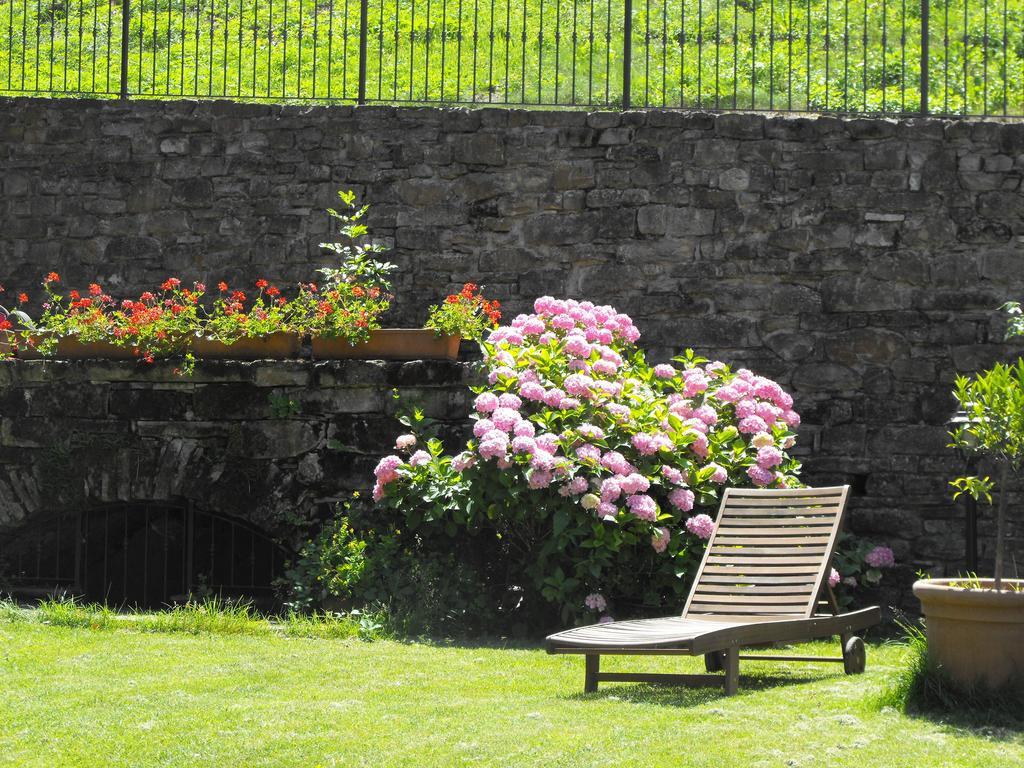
(739, 493)
(731, 577)
(727, 549)
(751, 570)
(738, 539)
(753, 589)
(730, 609)
(700, 597)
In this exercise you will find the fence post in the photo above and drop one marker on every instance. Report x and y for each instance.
(363, 6)
(924, 56)
(627, 53)
(125, 25)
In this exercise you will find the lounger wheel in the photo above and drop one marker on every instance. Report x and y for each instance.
(854, 658)
(715, 661)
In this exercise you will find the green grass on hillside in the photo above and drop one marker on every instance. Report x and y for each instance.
(74, 696)
(816, 55)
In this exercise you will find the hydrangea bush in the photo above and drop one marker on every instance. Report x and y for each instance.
(591, 473)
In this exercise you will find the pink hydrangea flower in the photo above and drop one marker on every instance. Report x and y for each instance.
(547, 442)
(760, 475)
(752, 424)
(660, 540)
(508, 400)
(634, 483)
(606, 619)
(762, 439)
(539, 478)
(553, 397)
(492, 448)
(833, 578)
(403, 442)
(505, 418)
(595, 602)
(603, 368)
(524, 428)
(768, 457)
(386, 469)
(578, 385)
(880, 557)
(485, 402)
(607, 509)
(578, 485)
(577, 346)
(533, 326)
(792, 418)
(719, 475)
(706, 414)
(378, 491)
(664, 371)
(588, 452)
(591, 431)
(610, 489)
(569, 404)
(643, 506)
(463, 462)
(701, 526)
(419, 458)
(532, 391)
(523, 444)
(681, 498)
(482, 427)
(673, 475)
(745, 408)
(542, 460)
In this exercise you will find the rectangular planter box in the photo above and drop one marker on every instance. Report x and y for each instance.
(72, 349)
(390, 344)
(273, 346)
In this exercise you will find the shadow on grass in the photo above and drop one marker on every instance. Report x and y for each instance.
(684, 697)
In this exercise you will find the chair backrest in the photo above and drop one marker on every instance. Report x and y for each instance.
(770, 553)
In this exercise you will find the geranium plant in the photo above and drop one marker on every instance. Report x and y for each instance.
(230, 319)
(596, 472)
(14, 324)
(993, 404)
(159, 324)
(466, 313)
(350, 299)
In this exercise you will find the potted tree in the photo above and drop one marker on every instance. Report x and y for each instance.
(975, 626)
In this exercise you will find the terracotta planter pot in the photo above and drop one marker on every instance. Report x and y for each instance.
(70, 348)
(976, 635)
(273, 346)
(390, 344)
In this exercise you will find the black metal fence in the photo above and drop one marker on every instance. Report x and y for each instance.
(955, 57)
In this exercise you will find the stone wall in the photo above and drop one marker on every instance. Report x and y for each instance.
(272, 444)
(858, 261)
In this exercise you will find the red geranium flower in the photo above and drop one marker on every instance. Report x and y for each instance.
(23, 298)
(52, 277)
(222, 287)
(94, 289)
(170, 284)
(261, 283)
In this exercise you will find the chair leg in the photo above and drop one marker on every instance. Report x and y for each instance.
(593, 667)
(732, 671)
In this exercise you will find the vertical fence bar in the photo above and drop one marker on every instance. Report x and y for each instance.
(627, 52)
(363, 8)
(125, 26)
(924, 57)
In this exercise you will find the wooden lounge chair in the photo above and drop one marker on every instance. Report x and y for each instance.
(761, 582)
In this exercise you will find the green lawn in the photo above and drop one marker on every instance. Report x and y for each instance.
(111, 697)
(815, 55)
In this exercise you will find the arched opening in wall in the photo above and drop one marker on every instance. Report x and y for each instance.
(142, 556)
